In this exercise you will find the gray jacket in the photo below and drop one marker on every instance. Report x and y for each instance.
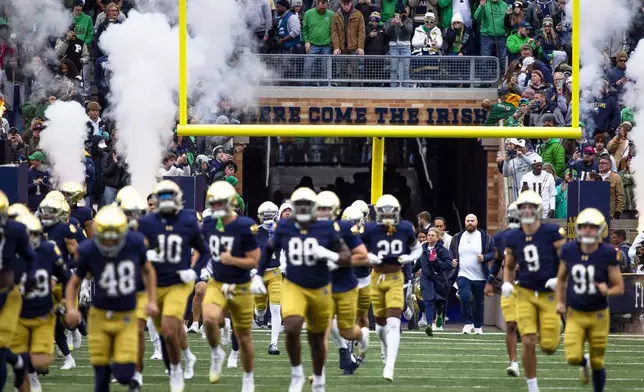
(517, 167)
(400, 35)
(6, 88)
(258, 16)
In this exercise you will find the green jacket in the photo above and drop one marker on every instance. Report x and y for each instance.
(561, 203)
(388, 9)
(498, 112)
(515, 42)
(492, 17)
(84, 28)
(553, 152)
(316, 28)
(446, 12)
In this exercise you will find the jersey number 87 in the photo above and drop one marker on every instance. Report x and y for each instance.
(216, 243)
(301, 251)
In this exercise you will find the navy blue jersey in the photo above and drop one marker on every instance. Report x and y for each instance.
(79, 234)
(16, 252)
(171, 238)
(361, 272)
(498, 241)
(82, 215)
(535, 254)
(237, 238)
(60, 232)
(302, 268)
(344, 279)
(39, 302)
(389, 244)
(262, 237)
(115, 277)
(586, 270)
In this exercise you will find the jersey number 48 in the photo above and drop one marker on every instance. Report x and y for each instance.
(118, 280)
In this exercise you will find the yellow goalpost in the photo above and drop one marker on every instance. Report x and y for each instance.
(377, 132)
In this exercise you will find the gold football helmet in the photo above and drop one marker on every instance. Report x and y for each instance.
(594, 218)
(513, 216)
(168, 197)
(73, 192)
(4, 208)
(110, 230)
(34, 228)
(124, 193)
(327, 206)
(363, 208)
(221, 199)
(303, 202)
(267, 213)
(52, 210)
(387, 210)
(134, 207)
(530, 205)
(353, 214)
(17, 209)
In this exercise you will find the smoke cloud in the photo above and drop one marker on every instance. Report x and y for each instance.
(634, 98)
(64, 140)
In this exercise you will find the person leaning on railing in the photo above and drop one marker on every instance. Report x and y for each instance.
(399, 29)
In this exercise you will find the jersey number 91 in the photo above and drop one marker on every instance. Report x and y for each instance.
(118, 280)
(584, 278)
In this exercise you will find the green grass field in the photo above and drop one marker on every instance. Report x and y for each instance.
(448, 361)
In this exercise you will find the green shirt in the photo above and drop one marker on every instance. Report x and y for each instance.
(316, 28)
(84, 28)
(492, 17)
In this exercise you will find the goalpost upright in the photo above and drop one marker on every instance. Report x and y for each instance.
(377, 132)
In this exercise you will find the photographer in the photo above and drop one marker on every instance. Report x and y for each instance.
(17, 146)
(72, 48)
(399, 30)
(636, 252)
(517, 162)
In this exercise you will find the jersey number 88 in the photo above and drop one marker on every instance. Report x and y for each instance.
(301, 251)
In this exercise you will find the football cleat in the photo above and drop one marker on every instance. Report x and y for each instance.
(232, 359)
(273, 350)
(216, 365)
(513, 370)
(69, 363)
(189, 371)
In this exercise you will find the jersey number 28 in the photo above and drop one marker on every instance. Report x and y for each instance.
(386, 248)
(118, 280)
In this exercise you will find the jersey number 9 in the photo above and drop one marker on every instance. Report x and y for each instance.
(42, 285)
(301, 251)
(386, 248)
(531, 257)
(118, 280)
(216, 243)
(584, 278)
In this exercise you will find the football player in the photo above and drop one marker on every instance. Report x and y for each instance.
(311, 248)
(171, 233)
(74, 193)
(17, 209)
(508, 304)
(267, 215)
(534, 247)
(589, 273)
(344, 285)
(32, 338)
(116, 257)
(391, 243)
(14, 240)
(234, 252)
(363, 208)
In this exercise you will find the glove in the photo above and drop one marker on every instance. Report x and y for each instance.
(332, 266)
(373, 259)
(85, 293)
(283, 262)
(187, 276)
(321, 252)
(257, 285)
(228, 290)
(551, 284)
(253, 272)
(406, 259)
(506, 289)
(205, 274)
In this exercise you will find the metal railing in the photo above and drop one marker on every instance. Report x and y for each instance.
(372, 71)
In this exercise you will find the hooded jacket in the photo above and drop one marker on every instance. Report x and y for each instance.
(84, 28)
(492, 18)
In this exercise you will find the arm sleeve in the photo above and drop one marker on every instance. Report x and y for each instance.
(305, 29)
(443, 261)
(27, 252)
(294, 27)
(61, 47)
(82, 267)
(491, 249)
(267, 255)
(60, 270)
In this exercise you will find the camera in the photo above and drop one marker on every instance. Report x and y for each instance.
(511, 153)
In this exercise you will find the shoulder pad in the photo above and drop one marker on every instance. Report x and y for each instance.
(254, 229)
(562, 232)
(355, 230)
(336, 226)
(619, 255)
(72, 228)
(57, 250)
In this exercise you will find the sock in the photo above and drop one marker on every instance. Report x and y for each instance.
(532, 384)
(276, 322)
(365, 336)
(187, 354)
(248, 376)
(297, 371)
(101, 378)
(514, 363)
(260, 313)
(393, 340)
(138, 376)
(335, 335)
(154, 335)
(123, 372)
(30, 366)
(599, 380)
(14, 359)
(319, 380)
(175, 369)
(68, 357)
(583, 362)
(60, 338)
(164, 353)
(381, 331)
(215, 352)
(233, 342)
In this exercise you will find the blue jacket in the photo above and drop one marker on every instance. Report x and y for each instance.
(487, 251)
(37, 192)
(435, 274)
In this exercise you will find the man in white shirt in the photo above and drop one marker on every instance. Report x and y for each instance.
(472, 249)
(543, 183)
(440, 224)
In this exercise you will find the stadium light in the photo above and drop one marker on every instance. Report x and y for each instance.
(377, 132)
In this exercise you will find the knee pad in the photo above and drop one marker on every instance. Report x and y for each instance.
(597, 362)
(123, 372)
(573, 359)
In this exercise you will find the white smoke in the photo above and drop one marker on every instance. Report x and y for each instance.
(64, 140)
(634, 98)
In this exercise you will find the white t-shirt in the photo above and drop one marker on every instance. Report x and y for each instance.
(463, 8)
(447, 240)
(543, 184)
(468, 250)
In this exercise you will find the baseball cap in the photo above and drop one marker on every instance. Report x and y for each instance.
(525, 24)
(512, 140)
(547, 117)
(521, 142)
(527, 62)
(37, 156)
(537, 159)
(589, 150)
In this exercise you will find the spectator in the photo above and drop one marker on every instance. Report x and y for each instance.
(241, 205)
(616, 187)
(259, 20)
(447, 9)
(519, 115)
(606, 114)
(366, 9)
(424, 220)
(517, 162)
(39, 180)
(101, 81)
(289, 30)
(202, 167)
(316, 33)
(90, 179)
(348, 36)
(67, 82)
(497, 111)
(73, 48)
(114, 175)
(84, 31)
(544, 114)
(434, 264)
(388, 8)
(17, 146)
(490, 15)
(229, 169)
(37, 79)
(528, 64)
(600, 150)
(537, 83)
(543, 183)
(95, 125)
(538, 10)
(441, 224)
(548, 167)
(550, 44)
(8, 48)
(620, 146)
(31, 137)
(173, 166)
(420, 8)
(471, 249)
(12, 86)
(218, 163)
(458, 40)
(399, 29)
(617, 75)
(618, 239)
(553, 152)
(111, 11)
(561, 199)
(586, 164)
(636, 251)
(515, 16)
(427, 39)
(516, 41)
